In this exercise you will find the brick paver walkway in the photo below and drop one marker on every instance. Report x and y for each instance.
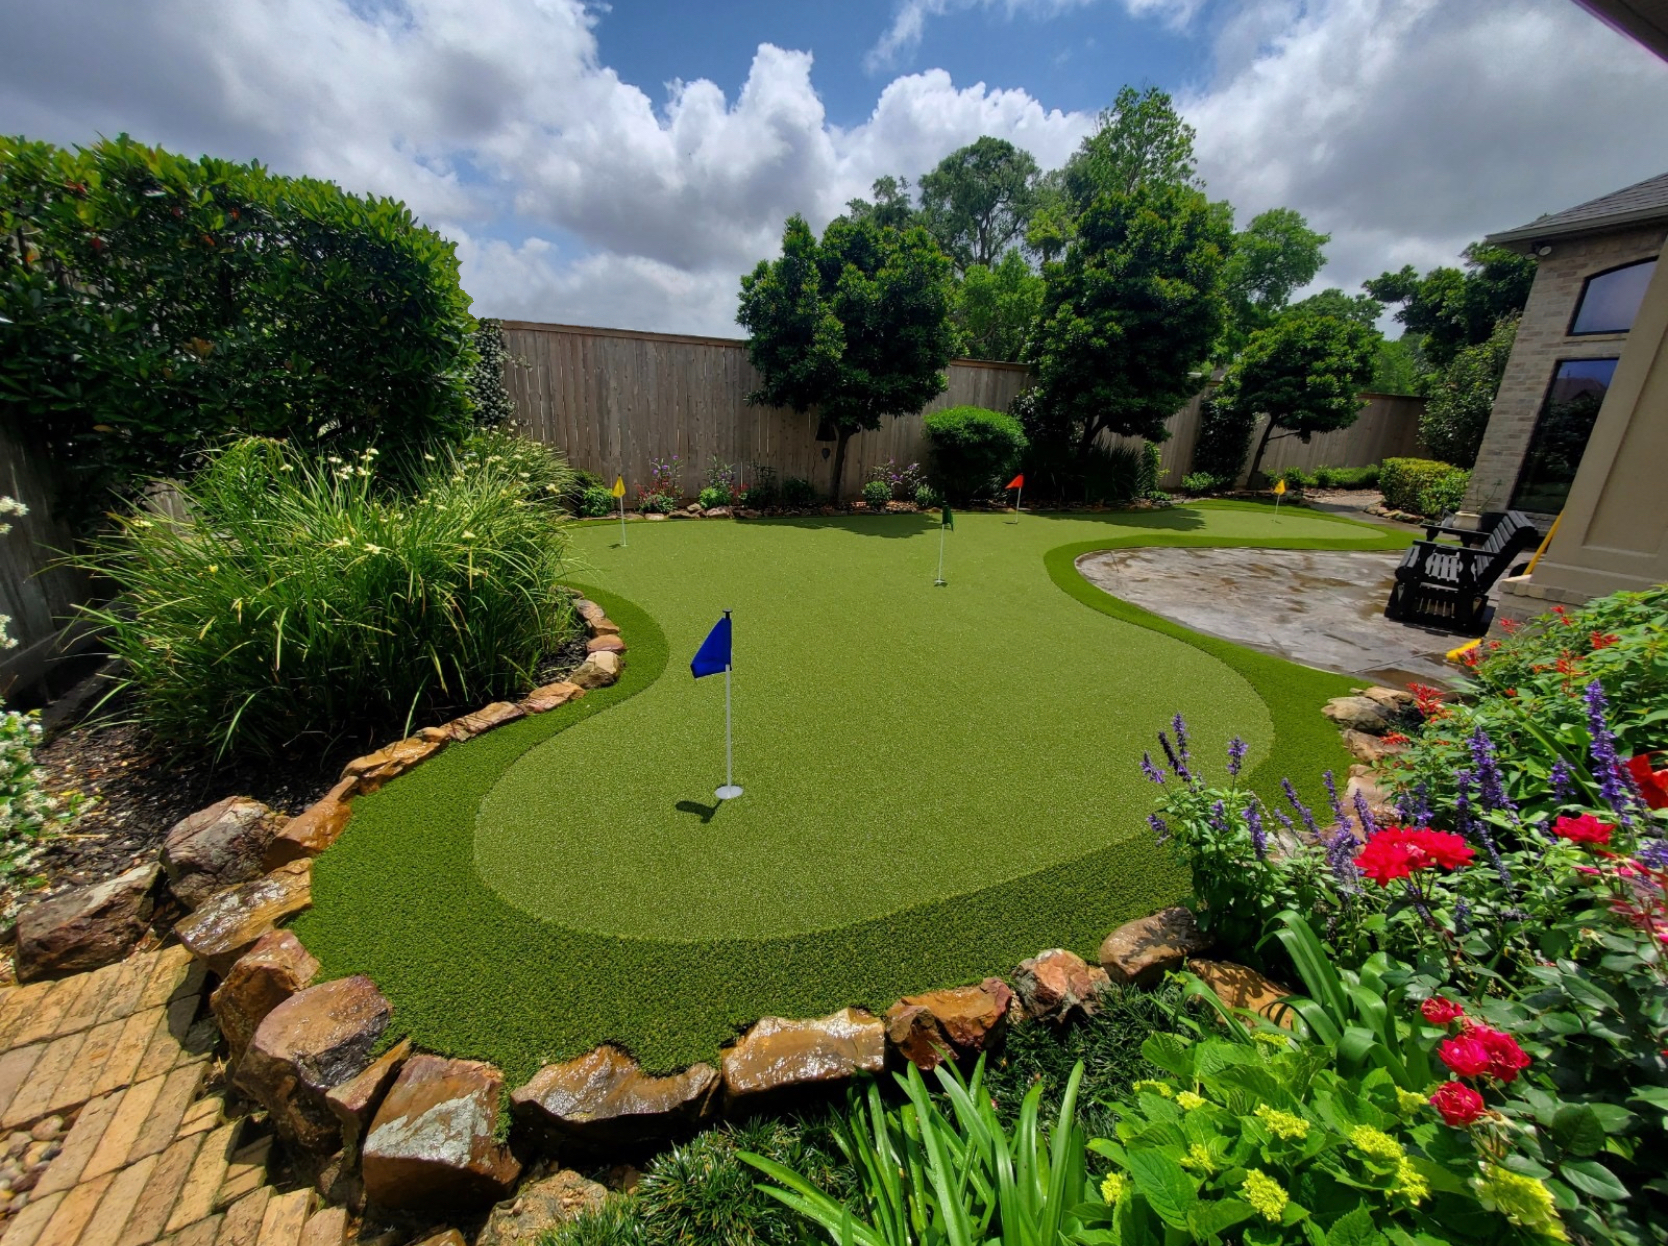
(123, 1053)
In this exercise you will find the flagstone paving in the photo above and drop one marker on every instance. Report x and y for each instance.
(102, 1077)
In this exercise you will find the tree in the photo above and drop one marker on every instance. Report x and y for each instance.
(996, 307)
(856, 326)
(978, 199)
(1305, 373)
(1141, 141)
(1399, 367)
(1452, 309)
(891, 208)
(1274, 255)
(1462, 396)
(1360, 308)
(1130, 315)
(1053, 222)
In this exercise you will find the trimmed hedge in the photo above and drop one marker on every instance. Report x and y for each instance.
(972, 448)
(1423, 486)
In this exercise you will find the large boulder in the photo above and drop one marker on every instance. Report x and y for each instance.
(1240, 987)
(540, 1206)
(431, 1143)
(277, 967)
(217, 847)
(605, 1095)
(596, 621)
(1360, 714)
(314, 1040)
(1371, 749)
(374, 769)
(1056, 985)
(85, 927)
(356, 1100)
(230, 922)
(958, 1023)
(1143, 951)
(315, 828)
(778, 1055)
(597, 671)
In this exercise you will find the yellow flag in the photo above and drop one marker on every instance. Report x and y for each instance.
(618, 491)
(1279, 487)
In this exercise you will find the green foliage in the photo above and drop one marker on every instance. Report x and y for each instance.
(1362, 309)
(1400, 367)
(1152, 468)
(856, 326)
(1129, 316)
(1406, 482)
(876, 494)
(712, 496)
(152, 307)
(997, 306)
(29, 816)
(1274, 255)
(595, 501)
(891, 207)
(902, 483)
(1264, 1143)
(762, 491)
(978, 200)
(1443, 495)
(1053, 222)
(615, 1223)
(663, 493)
(1203, 482)
(489, 398)
(1462, 395)
(1346, 477)
(304, 603)
(1305, 373)
(1224, 440)
(931, 1177)
(1450, 309)
(971, 448)
(1296, 479)
(1141, 141)
(926, 497)
(798, 493)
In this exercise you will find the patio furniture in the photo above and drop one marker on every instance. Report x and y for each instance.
(1445, 585)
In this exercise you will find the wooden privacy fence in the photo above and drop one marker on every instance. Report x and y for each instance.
(615, 400)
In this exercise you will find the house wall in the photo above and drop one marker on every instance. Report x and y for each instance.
(1542, 342)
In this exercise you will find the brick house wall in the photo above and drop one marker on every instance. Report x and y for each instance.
(1542, 343)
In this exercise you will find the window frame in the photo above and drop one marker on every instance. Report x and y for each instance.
(1540, 413)
(1581, 300)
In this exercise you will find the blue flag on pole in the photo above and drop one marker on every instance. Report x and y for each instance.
(713, 657)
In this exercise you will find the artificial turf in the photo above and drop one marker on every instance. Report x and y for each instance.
(939, 783)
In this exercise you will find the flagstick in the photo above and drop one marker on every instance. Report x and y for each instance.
(939, 582)
(622, 521)
(1019, 497)
(729, 791)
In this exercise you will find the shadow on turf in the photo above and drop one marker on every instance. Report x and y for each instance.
(893, 526)
(706, 812)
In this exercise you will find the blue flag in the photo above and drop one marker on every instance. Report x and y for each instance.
(713, 657)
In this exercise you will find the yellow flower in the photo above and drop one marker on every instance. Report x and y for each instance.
(1522, 1200)
(1158, 1088)
(1271, 1037)
(1198, 1159)
(213, 567)
(1375, 1143)
(1410, 1182)
(1265, 1195)
(1282, 1124)
(1409, 1102)
(1112, 1189)
(1189, 1100)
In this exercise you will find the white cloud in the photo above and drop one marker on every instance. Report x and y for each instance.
(909, 23)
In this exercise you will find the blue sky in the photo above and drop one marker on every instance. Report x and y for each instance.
(623, 165)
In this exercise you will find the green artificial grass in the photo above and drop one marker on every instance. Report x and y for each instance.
(939, 783)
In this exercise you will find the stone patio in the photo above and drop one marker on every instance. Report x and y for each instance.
(1323, 608)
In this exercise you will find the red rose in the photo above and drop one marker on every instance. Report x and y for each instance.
(1652, 784)
(1505, 1058)
(1583, 830)
(1458, 1104)
(1397, 851)
(1465, 1055)
(1439, 1011)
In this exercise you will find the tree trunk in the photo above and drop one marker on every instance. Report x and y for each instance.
(1257, 461)
(839, 463)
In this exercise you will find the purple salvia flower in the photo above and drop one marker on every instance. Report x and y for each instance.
(1653, 854)
(1179, 725)
(1160, 828)
(1340, 856)
(1237, 749)
(1491, 784)
(1302, 809)
(1421, 811)
(1150, 770)
(1338, 816)
(1615, 786)
(1259, 836)
(1170, 755)
(1285, 822)
(1219, 818)
(1364, 815)
(1478, 828)
(1563, 782)
(1462, 917)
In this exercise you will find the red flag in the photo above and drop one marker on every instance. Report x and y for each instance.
(1018, 482)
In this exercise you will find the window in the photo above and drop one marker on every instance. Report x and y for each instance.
(1610, 301)
(1566, 421)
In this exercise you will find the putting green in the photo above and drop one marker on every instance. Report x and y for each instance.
(939, 781)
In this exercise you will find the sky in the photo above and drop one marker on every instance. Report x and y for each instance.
(623, 164)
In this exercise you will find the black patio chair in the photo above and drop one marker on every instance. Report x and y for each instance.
(1445, 585)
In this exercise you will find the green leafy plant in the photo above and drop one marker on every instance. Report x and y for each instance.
(1404, 481)
(1461, 396)
(1225, 433)
(1152, 469)
(762, 492)
(927, 1175)
(594, 501)
(1297, 480)
(1443, 495)
(971, 447)
(305, 602)
(798, 493)
(711, 497)
(1346, 477)
(925, 497)
(876, 494)
(664, 491)
(1201, 482)
(151, 307)
(489, 398)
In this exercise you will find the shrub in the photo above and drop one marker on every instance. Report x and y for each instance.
(798, 493)
(1346, 477)
(925, 497)
(1152, 467)
(1296, 479)
(1224, 440)
(711, 497)
(762, 492)
(1443, 495)
(1102, 474)
(721, 486)
(1403, 481)
(1201, 482)
(305, 603)
(876, 494)
(664, 492)
(1461, 396)
(902, 482)
(161, 305)
(973, 450)
(489, 399)
(594, 501)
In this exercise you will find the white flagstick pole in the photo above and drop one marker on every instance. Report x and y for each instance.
(622, 521)
(729, 791)
(939, 582)
(1019, 500)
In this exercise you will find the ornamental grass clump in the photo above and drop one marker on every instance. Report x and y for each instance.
(304, 603)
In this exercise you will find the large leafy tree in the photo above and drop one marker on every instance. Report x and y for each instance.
(856, 326)
(978, 200)
(1304, 372)
(1398, 365)
(1452, 308)
(1462, 396)
(890, 208)
(1130, 315)
(1141, 141)
(1274, 255)
(996, 307)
